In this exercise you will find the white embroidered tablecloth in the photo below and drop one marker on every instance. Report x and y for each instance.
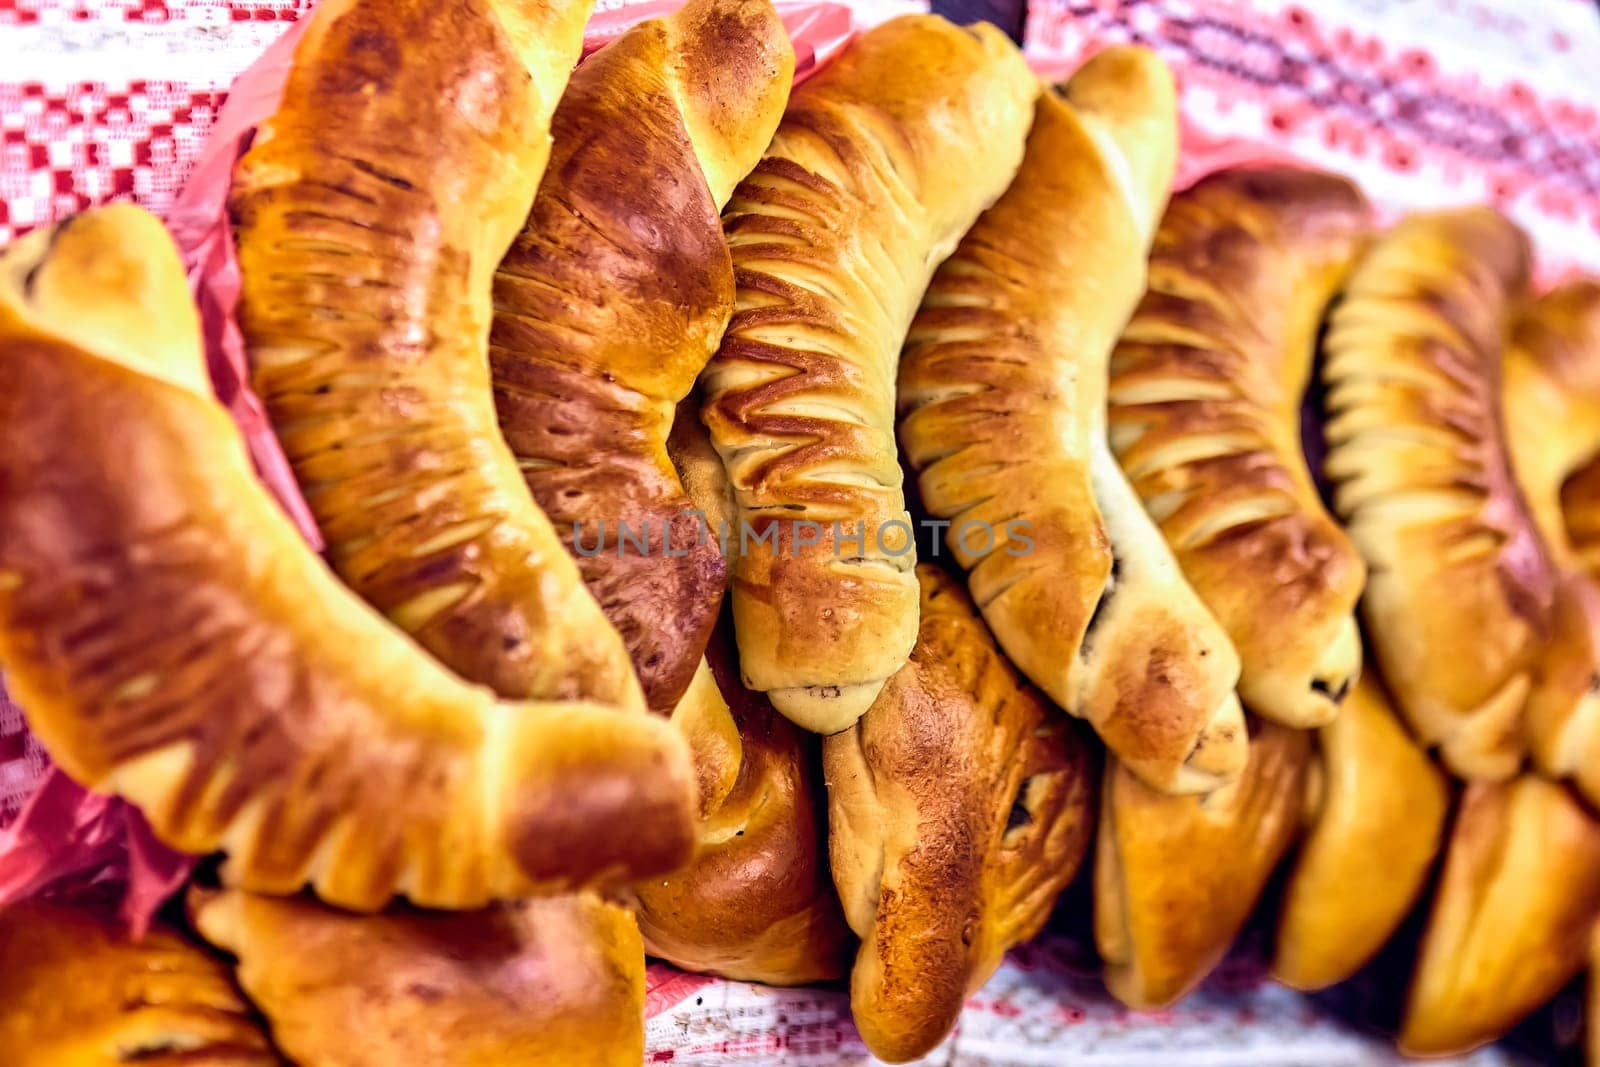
(1423, 101)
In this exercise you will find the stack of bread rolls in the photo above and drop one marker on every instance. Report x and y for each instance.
(600, 386)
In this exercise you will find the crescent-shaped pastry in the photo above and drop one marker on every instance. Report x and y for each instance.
(370, 213)
(76, 992)
(1376, 809)
(1511, 918)
(757, 904)
(536, 983)
(1552, 411)
(960, 805)
(1176, 877)
(174, 640)
(881, 163)
(1002, 399)
(614, 296)
(1462, 590)
(1204, 416)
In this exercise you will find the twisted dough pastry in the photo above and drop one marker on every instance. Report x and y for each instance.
(370, 213)
(1552, 410)
(1175, 878)
(175, 641)
(614, 296)
(960, 806)
(1002, 396)
(1376, 810)
(76, 992)
(869, 183)
(1510, 920)
(1462, 591)
(757, 904)
(535, 983)
(1205, 419)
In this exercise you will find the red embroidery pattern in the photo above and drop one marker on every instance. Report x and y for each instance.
(1331, 93)
(63, 150)
(35, 12)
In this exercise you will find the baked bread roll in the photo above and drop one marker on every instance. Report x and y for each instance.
(881, 163)
(1204, 416)
(175, 641)
(370, 212)
(1376, 808)
(1511, 918)
(538, 982)
(960, 805)
(1552, 410)
(757, 904)
(1175, 878)
(1002, 398)
(1462, 589)
(616, 293)
(75, 991)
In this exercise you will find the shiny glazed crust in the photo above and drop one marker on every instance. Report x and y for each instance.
(1510, 919)
(616, 293)
(1552, 410)
(1176, 877)
(1462, 590)
(175, 641)
(1204, 416)
(870, 182)
(537, 983)
(960, 805)
(1001, 397)
(76, 992)
(757, 904)
(367, 255)
(1377, 808)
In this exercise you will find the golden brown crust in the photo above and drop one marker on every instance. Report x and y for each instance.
(1378, 808)
(1001, 397)
(75, 991)
(1552, 411)
(1176, 877)
(538, 982)
(870, 181)
(175, 641)
(758, 903)
(1509, 925)
(616, 293)
(370, 212)
(960, 805)
(1462, 590)
(1204, 415)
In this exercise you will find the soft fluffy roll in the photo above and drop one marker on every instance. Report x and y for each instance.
(613, 297)
(1462, 593)
(173, 639)
(537, 983)
(960, 805)
(1552, 408)
(370, 212)
(75, 991)
(1376, 809)
(757, 904)
(1509, 922)
(1002, 407)
(1175, 878)
(1205, 420)
(882, 161)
